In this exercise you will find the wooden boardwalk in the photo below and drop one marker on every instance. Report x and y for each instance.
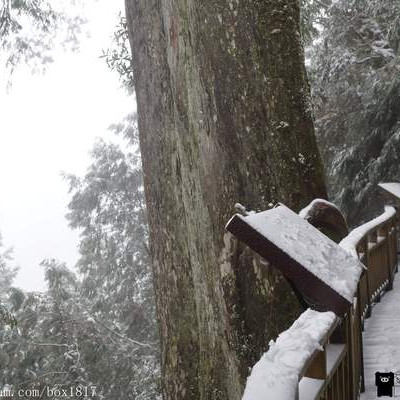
(381, 341)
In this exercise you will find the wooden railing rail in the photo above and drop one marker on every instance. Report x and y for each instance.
(336, 372)
(320, 357)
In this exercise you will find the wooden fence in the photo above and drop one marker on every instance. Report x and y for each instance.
(337, 372)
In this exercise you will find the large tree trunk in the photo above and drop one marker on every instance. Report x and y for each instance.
(224, 117)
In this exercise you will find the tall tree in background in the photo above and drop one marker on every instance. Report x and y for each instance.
(96, 329)
(7, 275)
(107, 205)
(224, 117)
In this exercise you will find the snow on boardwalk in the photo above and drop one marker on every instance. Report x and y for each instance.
(381, 340)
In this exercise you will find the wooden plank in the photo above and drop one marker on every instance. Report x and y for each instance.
(368, 265)
(343, 380)
(318, 367)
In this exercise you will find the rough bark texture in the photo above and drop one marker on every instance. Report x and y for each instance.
(224, 117)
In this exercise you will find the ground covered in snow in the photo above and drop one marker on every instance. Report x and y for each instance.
(381, 341)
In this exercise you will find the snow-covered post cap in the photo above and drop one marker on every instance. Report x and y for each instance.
(326, 274)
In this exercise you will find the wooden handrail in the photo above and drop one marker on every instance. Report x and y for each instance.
(376, 246)
(335, 371)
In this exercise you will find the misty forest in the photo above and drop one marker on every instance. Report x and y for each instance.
(235, 106)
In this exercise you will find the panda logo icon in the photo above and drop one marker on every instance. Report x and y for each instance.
(384, 382)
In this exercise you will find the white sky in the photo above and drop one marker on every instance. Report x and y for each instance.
(48, 124)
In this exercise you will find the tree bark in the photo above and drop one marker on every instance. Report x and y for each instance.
(224, 117)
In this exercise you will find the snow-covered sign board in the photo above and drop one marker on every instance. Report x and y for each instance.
(326, 274)
(391, 187)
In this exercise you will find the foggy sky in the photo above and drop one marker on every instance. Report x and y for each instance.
(48, 124)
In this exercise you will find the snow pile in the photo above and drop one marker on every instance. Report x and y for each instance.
(304, 213)
(310, 248)
(350, 242)
(276, 376)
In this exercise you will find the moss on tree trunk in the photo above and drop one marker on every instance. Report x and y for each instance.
(224, 117)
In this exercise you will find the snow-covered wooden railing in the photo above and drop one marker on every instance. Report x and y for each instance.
(321, 355)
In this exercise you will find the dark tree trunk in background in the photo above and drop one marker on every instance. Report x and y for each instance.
(224, 117)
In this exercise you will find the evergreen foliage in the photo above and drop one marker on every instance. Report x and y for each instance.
(95, 328)
(355, 71)
(29, 30)
(7, 274)
(118, 57)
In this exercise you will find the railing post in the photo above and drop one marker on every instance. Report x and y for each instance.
(368, 272)
(388, 246)
(396, 233)
(297, 396)
(375, 269)
(343, 375)
(362, 389)
(350, 353)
